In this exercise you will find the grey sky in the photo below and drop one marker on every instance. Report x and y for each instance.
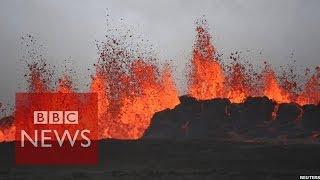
(68, 29)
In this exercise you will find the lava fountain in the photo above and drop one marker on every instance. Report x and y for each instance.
(131, 87)
(129, 91)
(206, 79)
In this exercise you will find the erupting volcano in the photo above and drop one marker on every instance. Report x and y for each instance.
(209, 79)
(131, 89)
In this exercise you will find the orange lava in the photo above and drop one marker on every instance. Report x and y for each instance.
(239, 89)
(7, 134)
(142, 93)
(153, 95)
(99, 86)
(271, 87)
(311, 92)
(131, 91)
(206, 76)
(1, 136)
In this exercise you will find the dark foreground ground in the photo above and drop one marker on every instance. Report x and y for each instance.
(190, 159)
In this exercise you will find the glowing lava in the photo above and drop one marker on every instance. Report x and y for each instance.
(311, 92)
(138, 95)
(206, 76)
(271, 87)
(132, 88)
(239, 88)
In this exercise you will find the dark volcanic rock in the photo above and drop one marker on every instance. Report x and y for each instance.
(257, 117)
(253, 111)
(311, 117)
(288, 113)
(287, 121)
(251, 117)
(208, 118)
(258, 109)
(190, 119)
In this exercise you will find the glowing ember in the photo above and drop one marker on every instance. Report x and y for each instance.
(36, 78)
(64, 85)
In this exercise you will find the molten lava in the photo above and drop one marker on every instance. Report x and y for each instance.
(98, 85)
(271, 88)
(238, 91)
(131, 87)
(138, 95)
(311, 92)
(206, 76)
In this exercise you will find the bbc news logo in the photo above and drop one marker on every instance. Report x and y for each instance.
(55, 117)
(56, 129)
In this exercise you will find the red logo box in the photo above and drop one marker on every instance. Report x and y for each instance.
(56, 129)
